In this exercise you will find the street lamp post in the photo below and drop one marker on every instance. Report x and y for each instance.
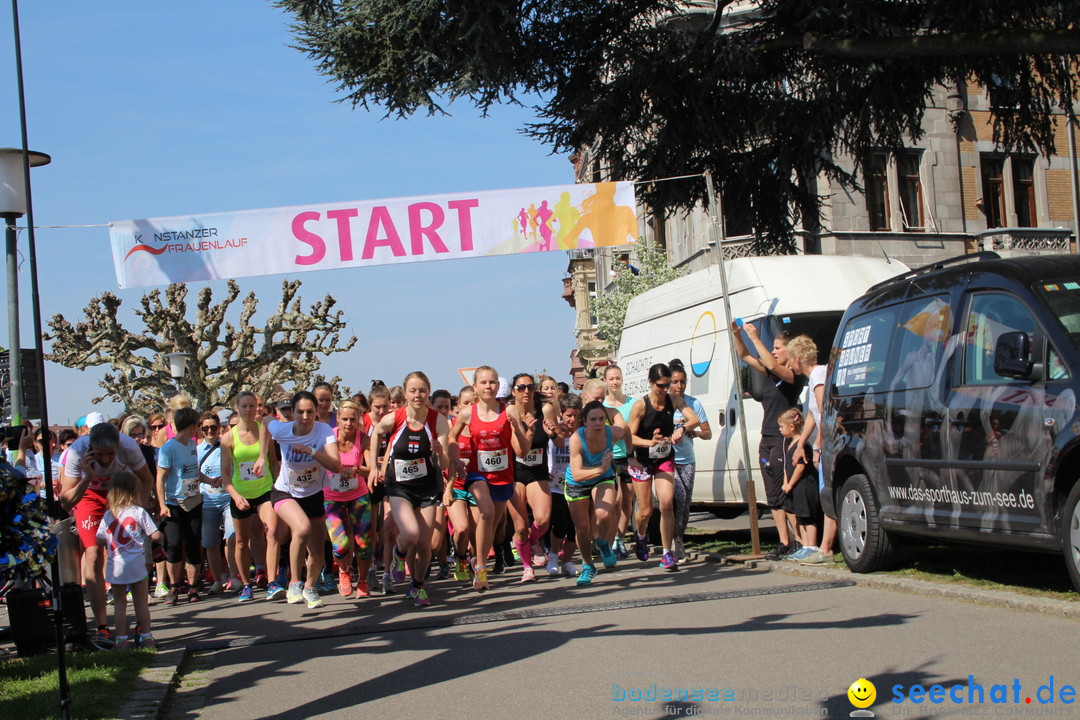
(178, 367)
(13, 207)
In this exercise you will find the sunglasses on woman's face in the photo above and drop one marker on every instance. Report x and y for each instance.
(156, 427)
(523, 387)
(210, 428)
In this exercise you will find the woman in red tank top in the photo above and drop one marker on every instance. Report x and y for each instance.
(496, 432)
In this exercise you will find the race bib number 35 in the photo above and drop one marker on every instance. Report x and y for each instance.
(339, 483)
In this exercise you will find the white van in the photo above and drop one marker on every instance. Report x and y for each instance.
(685, 319)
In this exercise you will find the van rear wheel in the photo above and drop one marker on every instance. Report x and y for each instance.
(1070, 535)
(865, 543)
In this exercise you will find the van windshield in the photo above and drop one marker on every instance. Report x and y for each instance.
(1062, 297)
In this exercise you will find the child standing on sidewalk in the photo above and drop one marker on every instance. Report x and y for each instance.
(800, 484)
(125, 532)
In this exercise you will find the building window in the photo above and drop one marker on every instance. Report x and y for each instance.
(592, 301)
(1024, 191)
(993, 179)
(877, 191)
(910, 186)
(1008, 191)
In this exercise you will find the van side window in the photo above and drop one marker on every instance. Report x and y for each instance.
(1055, 366)
(859, 360)
(991, 314)
(925, 324)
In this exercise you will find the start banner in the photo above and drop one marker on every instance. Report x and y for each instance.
(195, 248)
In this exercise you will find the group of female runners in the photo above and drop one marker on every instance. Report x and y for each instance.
(398, 470)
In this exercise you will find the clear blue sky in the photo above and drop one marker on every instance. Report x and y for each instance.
(158, 109)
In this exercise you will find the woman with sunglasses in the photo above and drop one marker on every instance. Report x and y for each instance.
(531, 481)
(653, 431)
(309, 450)
(254, 521)
(216, 519)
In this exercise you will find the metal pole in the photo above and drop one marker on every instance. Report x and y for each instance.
(15, 394)
(57, 588)
(1070, 125)
(716, 214)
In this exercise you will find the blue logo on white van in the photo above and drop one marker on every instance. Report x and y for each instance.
(703, 344)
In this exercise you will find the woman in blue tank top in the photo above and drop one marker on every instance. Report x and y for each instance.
(590, 486)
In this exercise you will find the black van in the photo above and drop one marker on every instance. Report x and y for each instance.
(950, 409)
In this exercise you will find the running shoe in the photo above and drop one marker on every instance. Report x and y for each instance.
(174, 595)
(539, 557)
(461, 571)
(528, 574)
(387, 584)
(480, 580)
(444, 572)
(327, 583)
(802, 553)
(122, 643)
(215, 588)
(162, 591)
(641, 548)
(146, 641)
(620, 548)
(344, 583)
(780, 551)
(588, 572)
(103, 639)
(295, 594)
(362, 590)
(411, 593)
(668, 562)
(795, 547)
(246, 594)
(397, 568)
(233, 584)
(311, 596)
(261, 579)
(552, 564)
(274, 591)
(607, 554)
(500, 563)
(421, 598)
(817, 558)
(109, 597)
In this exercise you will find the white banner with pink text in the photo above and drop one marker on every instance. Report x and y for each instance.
(195, 248)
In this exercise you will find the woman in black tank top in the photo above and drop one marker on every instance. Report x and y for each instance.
(652, 424)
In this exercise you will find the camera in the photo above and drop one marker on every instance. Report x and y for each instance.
(11, 434)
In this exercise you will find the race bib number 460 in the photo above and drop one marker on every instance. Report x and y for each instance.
(493, 460)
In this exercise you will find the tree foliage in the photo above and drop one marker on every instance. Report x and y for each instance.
(766, 105)
(652, 270)
(225, 358)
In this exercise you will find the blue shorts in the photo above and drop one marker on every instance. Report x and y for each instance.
(501, 493)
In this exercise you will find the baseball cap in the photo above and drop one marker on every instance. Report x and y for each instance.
(94, 418)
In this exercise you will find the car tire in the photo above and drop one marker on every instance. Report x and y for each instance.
(865, 543)
(1070, 535)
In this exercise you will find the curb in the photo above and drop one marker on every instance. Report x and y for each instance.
(154, 684)
(993, 598)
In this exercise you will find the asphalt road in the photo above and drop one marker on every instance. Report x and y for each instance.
(720, 640)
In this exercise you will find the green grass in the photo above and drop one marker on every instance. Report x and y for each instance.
(100, 682)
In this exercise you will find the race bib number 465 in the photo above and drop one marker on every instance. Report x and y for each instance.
(407, 470)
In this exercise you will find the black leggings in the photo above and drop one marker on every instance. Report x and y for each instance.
(183, 534)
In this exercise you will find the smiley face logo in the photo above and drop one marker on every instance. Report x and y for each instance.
(862, 693)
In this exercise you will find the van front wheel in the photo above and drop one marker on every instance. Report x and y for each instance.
(866, 545)
(1070, 535)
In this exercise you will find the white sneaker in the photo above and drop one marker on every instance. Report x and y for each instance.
(552, 564)
(311, 596)
(569, 569)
